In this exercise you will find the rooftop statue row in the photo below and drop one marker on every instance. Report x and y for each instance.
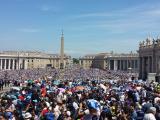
(150, 43)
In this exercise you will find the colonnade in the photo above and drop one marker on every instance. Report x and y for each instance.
(11, 64)
(147, 66)
(123, 64)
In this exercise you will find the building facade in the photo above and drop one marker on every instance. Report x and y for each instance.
(123, 62)
(86, 61)
(15, 60)
(149, 57)
(112, 61)
(99, 61)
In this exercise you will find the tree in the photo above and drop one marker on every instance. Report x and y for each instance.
(75, 61)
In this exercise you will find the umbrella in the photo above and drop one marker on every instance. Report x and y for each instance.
(50, 77)
(79, 88)
(30, 81)
(13, 97)
(93, 104)
(50, 91)
(61, 90)
(56, 82)
(15, 88)
(116, 88)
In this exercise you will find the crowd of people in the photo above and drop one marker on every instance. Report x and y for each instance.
(78, 94)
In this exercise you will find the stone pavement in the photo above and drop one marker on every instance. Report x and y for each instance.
(5, 89)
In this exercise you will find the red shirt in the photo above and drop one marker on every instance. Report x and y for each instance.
(44, 111)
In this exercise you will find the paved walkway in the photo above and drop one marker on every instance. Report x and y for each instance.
(5, 89)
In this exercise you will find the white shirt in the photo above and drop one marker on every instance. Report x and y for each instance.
(149, 116)
(75, 105)
(57, 112)
(122, 98)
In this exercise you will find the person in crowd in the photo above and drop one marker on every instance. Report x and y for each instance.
(77, 94)
(150, 115)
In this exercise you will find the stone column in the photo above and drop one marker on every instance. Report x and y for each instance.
(143, 61)
(1, 65)
(26, 64)
(5, 64)
(80, 62)
(55, 63)
(84, 63)
(133, 66)
(135, 61)
(127, 64)
(115, 65)
(151, 64)
(59, 63)
(148, 64)
(121, 64)
(23, 64)
(158, 65)
(140, 67)
(109, 66)
(17, 65)
(9, 64)
(13, 64)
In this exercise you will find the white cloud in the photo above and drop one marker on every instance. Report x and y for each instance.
(142, 18)
(93, 15)
(154, 12)
(50, 8)
(45, 8)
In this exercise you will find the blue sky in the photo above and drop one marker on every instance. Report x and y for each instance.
(90, 26)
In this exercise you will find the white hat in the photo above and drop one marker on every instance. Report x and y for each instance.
(113, 99)
(15, 102)
(86, 112)
(152, 109)
(68, 113)
(27, 115)
(101, 102)
(48, 105)
(23, 92)
(59, 100)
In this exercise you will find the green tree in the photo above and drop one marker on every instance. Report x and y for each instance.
(75, 61)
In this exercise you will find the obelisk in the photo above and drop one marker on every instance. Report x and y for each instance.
(62, 52)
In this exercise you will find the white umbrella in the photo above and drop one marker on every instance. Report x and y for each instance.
(15, 88)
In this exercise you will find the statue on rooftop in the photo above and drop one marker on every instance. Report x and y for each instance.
(143, 43)
(140, 44)
(148, 41)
